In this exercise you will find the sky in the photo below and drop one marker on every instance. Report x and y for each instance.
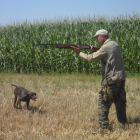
(19, 11)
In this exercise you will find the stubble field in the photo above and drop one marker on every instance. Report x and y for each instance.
(66, 108)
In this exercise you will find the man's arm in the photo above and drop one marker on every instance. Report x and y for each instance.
(94, 56)
(90, 57)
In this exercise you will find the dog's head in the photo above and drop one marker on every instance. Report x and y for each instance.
(32, 96)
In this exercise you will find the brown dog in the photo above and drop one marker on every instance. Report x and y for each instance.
(23, 95)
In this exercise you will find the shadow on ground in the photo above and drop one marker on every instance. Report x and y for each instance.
(35, 109)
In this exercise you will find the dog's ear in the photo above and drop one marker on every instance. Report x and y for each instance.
(34, 93)
(30, 93)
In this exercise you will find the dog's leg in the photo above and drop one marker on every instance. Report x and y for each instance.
(19, 102)
(27, 102)
(15, 100)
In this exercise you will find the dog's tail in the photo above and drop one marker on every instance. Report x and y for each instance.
(13, 85)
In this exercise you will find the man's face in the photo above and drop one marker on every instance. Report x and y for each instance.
(100, 39)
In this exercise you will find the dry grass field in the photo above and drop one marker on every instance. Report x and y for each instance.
(66, 108)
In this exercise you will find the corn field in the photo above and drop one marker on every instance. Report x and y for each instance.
(19, 52)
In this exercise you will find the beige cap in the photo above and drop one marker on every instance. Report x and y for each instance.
(101, 32)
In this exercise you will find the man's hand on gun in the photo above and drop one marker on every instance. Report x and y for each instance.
(76, 49)
(93, 49)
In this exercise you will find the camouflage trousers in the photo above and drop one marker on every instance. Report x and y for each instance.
(119, 99)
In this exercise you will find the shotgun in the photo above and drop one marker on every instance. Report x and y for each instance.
(67, 46)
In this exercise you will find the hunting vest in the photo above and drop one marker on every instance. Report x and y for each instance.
(112, 64)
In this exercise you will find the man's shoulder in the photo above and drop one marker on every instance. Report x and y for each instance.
(109, 43)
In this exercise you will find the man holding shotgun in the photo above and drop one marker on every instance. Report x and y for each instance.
(113, 77)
